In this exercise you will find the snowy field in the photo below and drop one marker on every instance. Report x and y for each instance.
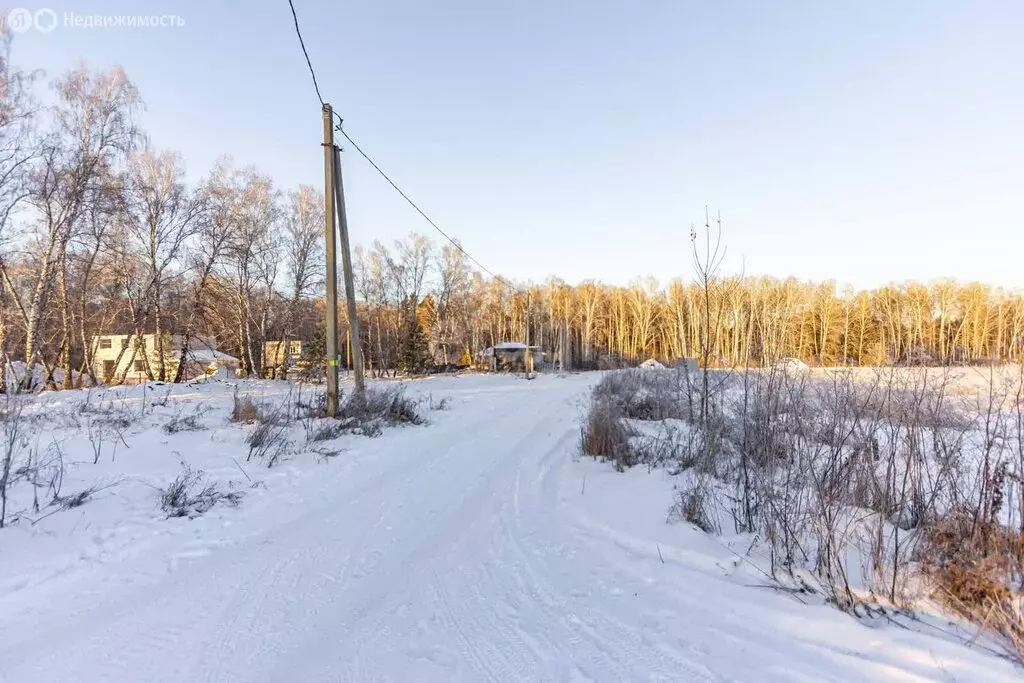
(478, 546)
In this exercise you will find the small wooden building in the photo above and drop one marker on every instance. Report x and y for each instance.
(511, 357)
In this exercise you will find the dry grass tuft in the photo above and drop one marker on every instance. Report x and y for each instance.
(245, 411)
(976, 569)
(604, 435)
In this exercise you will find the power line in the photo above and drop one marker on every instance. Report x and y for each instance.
(302, 43)
(420, 211)
(384, 175)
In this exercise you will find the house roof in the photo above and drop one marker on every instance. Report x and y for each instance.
(507, 346)
(201, 351)
(211, 356)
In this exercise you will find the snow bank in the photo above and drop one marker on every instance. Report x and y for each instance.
(708, 605)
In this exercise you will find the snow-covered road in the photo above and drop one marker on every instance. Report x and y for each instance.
(474, 549)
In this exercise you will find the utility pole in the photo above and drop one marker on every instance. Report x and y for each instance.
(331, 276)
(561, 346)
(355, 344)
(529, 351)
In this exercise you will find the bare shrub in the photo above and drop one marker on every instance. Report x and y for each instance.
(187, 496)
(369, 413)
(68, 418)
(901, 468)
(186, 423)
(326, 432)
(162, 401)
(976, 570)
(393, 407)
(76, 499)
(655, 396)
(109, 430)
(116, 415)
(669, 446)
(267, 442)
(642, 394)
(48, 471)
(244, 410)
(771, 409)
(604, 435)
(652, 416)
(312, 408)
(692, 504)
(365, 415)
(13, 442)
(444, 403)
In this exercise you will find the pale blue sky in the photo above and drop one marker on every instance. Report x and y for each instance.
(860, 141)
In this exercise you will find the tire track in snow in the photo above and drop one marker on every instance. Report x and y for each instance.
(468, 514)
(557, 610)
(326, 589)
(606, 631)
(251, 577)
(322, 563)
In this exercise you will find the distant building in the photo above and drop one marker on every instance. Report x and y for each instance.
(789, 365)
(129, 354)
(278, 353)
(510, 357)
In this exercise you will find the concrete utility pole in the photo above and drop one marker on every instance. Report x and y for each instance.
(331, 276)
(355, 345)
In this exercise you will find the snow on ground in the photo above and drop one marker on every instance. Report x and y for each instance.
(970, 381)
(478, 547)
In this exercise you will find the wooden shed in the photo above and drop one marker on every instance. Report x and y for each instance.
(510, 357)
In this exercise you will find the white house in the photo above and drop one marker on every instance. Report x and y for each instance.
(129, 354)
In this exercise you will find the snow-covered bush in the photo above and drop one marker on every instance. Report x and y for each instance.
(187, 496)
(377, 408)
(365, 415)
(650, 417)
(268, 441)
(604, 434)
(646, 394)
(846, 482)
(326, 431)
(184, 423)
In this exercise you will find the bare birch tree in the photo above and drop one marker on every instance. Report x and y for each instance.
(94, 130)
(303, 255)
(17, 150)
(161, 216)
(254, 215)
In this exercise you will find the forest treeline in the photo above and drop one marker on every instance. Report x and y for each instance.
(101, 234)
